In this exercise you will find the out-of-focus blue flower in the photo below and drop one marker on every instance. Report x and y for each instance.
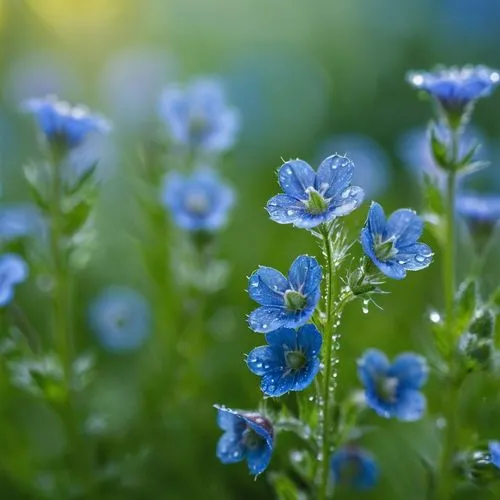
(494, 447)
(290, 361)
(199, 202)
(312, 198)
(372, 165)
(456, 89)
(354, 467)
(247, 436)
(13, 270)
(479, 208)
(199, 116)
(287, 303)
(121, 319)
(65, 124)
(19, 221)
(393, 390)
(392, 244)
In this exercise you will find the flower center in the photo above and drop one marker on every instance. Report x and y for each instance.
(316, 203)
(295, 301)
(295, 360)
(386, 388)
(197, 125)
(251, 439)
(384, 250)
(197, 203)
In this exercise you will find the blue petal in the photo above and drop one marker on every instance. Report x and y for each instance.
(305, 275)
(230, 448)
(410, 406)
(304, 377)
(228, 420)
(376, 219)
(415, 257)
(295, 176)
(383, 408)
(285, 209)
(261, 425)
(264, 359)
(277, 383)
(267, 318)
(355, 468)
(267, 286)
(494, 447)
(411, 370)
(284, 338)
(13, 269)
(349, 200)
(299, 318)
(372, 366)
(406, 226)
(259, 459)
(334, 176)
(309, 340)
(174, 111)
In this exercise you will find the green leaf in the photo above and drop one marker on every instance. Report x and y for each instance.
(37, 184)
(433, 197)
(84, 181)
(466, 301)
(439, 149)
(285, 488)
(77, 216)
(468, 157)
(483, 324)
(494, 299)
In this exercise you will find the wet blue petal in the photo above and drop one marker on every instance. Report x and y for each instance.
(410, 406)
(349, 200)
(284, 337)
(376, 219)
(305, 274)
(267, 286)
(285, 209)
(264, 359)
(415, 257)
(305, 377)
(277, 383)
(267, 318)
(309, 339)
(230, 448)
(227, 419)
(410, 369)
(295, 176)
(406, 226)
(259, 459)
(334, 175)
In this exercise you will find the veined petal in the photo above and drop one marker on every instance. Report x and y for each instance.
(410, 406)
(309, 340)
(305, 274)
(415, 257)
(259, 459)
(267, 318)
(283, 338)
(305, 376)
(285, 209)
(264, 359)
(406, 226)
(410, 369)
(376, 219)
(267, 286)
(295, 176)
(277, 383)
(348, 201)
(334, 175)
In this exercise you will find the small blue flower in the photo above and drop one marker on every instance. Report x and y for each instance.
(456, 89)
(393, 390)
(479, 208)
(200, 202)
(494, 447)
(312, 198)
(19, 220)
(64, 124)
(290, 361)
(199, 117)
(13, 270)
(288, 303)
(121, 319)
(247, 435)
(354, 467)
(392, 244)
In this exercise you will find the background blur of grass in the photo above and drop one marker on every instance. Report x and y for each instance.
(299, 72)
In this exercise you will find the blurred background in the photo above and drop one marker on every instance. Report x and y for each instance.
(310, 79)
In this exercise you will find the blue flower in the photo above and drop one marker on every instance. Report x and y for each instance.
(19, 221)
(288, 303)
(290, 361)
(200, 202)
(13, 270)
(392, 244)
(312, 198)
(494, 447)
(199, 117)
(479, 208)
(64, 124)
(247, 436)
(121, 319)
(393, 390)
(456, 89)
(354, 467)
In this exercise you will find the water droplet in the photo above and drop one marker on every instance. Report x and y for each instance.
(346, 193)
(420, 258)
(435, 317)
(290, 212)
(264, 325)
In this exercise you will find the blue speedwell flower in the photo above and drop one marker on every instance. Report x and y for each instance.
(247, 435)
(64, 124)
(456, 89)
(121, 319)
(494, 448)
(312, 198)
(198, 116)
(393, 390)
(392, 244)
(354, 467)
(200, 202)
(288, 303)
(13, 270)
(290, 361)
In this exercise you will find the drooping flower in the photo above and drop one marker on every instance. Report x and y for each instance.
(199, 202)
(121, 319)
(13, 270)
(247, 436)
(354, 467)
(64, 124)
(285, 302)
(393, 390)
(494, 448)
(290, 361)
(392, 244)
(312, 198)
(199, 117)
(456, 89)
